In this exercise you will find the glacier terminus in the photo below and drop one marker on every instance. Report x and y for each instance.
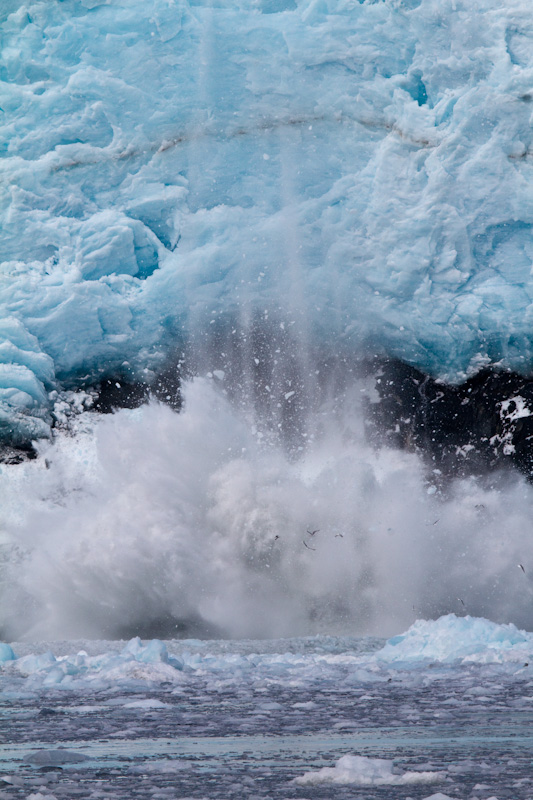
(340, 177)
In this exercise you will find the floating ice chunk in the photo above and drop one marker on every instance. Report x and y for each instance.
(53, 758)
(270, 706)
(118, 671)
(148, 704)
(440, 796)
(363, 771)
(35, 663)
(41, 796)
(452, 638)
(6, 653)
(164, 765)
(155, 652)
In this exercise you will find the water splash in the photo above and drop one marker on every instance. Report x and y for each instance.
(159, 523)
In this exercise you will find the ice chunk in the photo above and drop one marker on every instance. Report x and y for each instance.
(363, 771)
(41, 796)
(154, 652)
(440, 796)
(149, 703)
(53, 758)
(453, 638)
(35, 663)
(112, 243)
(6, 653)
(25, 375)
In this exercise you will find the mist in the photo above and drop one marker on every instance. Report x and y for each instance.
(200, 523)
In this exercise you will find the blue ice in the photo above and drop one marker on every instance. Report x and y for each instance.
(445, 642)
(361, 170)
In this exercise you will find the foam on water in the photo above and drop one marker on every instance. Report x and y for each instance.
(157, 523)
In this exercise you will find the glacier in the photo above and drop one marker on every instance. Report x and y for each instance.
(239, 209)
(305, 225)
(195, 185)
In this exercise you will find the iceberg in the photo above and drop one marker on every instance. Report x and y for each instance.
(195, 186)
(6, 653)
(459, 639)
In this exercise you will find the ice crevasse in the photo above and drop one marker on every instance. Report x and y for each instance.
(360, 171)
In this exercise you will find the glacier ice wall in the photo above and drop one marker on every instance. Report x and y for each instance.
(182, 170)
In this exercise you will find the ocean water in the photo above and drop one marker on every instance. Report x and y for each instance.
(442, 711)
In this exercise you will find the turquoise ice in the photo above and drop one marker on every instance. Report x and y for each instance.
(360, 171)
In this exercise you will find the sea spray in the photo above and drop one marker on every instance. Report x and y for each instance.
(162, 523)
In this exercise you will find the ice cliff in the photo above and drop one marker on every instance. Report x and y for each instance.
(179, 172)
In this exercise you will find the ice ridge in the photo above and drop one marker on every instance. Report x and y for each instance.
(360, 170)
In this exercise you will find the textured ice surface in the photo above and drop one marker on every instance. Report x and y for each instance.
(364, 771)
(450, 640)
(465, 638)
(360, 171)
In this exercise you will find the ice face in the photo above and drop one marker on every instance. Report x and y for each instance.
(177, 171)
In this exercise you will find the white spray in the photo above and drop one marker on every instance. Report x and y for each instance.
(170, 524)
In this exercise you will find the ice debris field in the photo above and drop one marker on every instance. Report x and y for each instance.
(177, 173)
(441, 711)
